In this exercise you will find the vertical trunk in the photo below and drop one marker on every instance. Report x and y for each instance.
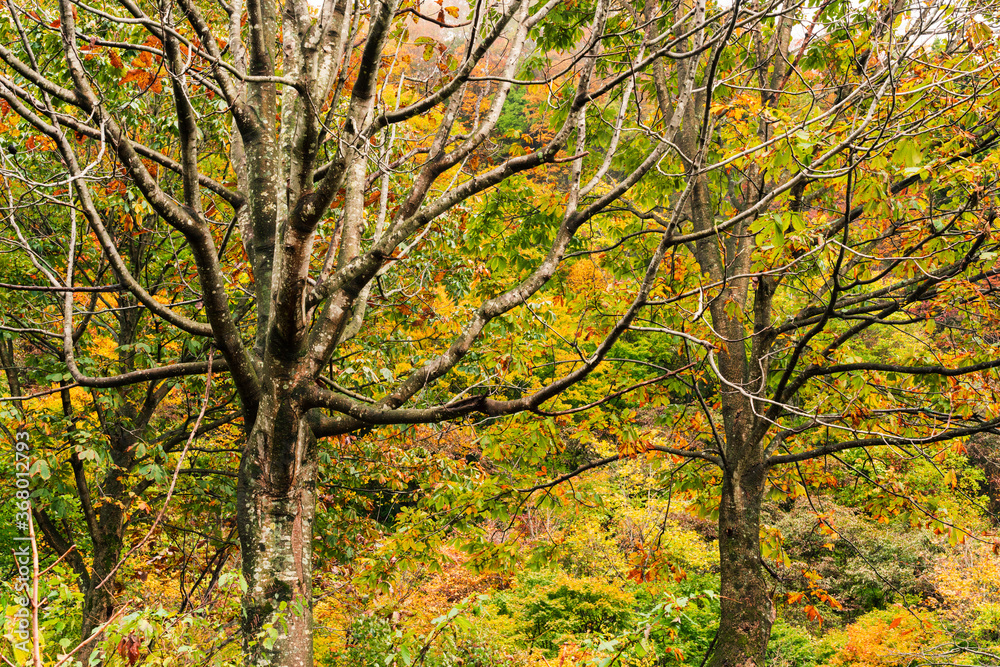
(108, 538)
(99, 603)
(106, 520)
(8, 358)
(276, 507)
(747, 610)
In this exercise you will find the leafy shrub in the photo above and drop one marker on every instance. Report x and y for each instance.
(900, 558)
(692, 629)
(986, 625)
(967, 583)
(553, 609)
(589, 548)
(793, 646)
(512, 120)
(374, 641)
(863, 564)
(368, 643)
(888, 638)
(632, 530)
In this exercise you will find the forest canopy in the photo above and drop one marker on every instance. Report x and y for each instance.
(500, 332)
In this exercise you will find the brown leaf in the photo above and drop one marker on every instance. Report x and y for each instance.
(129, 648)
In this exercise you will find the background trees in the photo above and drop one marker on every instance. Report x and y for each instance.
(107, 448)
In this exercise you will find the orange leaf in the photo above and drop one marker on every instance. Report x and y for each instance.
(131, 75)
(895, 622)
(812, 614)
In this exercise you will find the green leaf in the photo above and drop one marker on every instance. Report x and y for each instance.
(41, 468)
(908, 154)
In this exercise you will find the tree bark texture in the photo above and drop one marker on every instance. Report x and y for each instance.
(747, 611)
(276, 506)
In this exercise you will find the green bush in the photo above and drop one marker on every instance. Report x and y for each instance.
(551, 609)
(692, 628)
(452, 641)
(792, 646)
(869, 565)
(512, 119)
(986, 626)
(369, 642)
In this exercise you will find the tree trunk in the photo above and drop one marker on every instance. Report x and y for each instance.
(747, 609)
(108, 538)
(99, 603)
(8, 358)
(276, 508)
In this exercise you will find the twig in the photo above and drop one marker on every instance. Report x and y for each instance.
(36, 647)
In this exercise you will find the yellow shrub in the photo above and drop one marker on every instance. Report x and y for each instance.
(887, 638)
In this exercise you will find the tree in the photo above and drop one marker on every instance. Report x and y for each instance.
(110, 443)
(853, 185)
(334, 165)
